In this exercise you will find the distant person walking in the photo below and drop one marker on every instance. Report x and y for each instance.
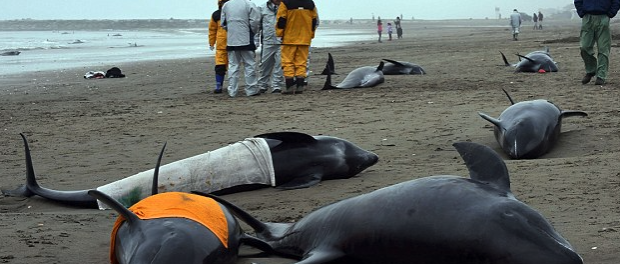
(540, 20)
(217, 41)
(535, 20)
(595, 16)
(241, 19)
(389, 30)
(515, 23)
(399, 28)
(379, 28)
(297, 21)
(270, 62)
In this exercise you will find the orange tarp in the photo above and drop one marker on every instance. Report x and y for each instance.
(201, 209)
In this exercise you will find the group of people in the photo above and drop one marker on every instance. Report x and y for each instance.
(516, 20)
(399, 29)
(538, 21)
(595, 18)
(283, 29)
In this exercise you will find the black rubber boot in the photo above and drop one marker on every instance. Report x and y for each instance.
(301, 85)
(290, 82)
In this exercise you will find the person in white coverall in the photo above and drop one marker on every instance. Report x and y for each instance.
(270, 63)
(515, 23)
(241, 19)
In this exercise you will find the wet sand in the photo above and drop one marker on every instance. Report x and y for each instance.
(86, 133)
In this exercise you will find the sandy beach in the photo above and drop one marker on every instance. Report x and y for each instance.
(86, 133)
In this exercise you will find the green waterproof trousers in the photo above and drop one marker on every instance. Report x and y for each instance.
(595, 30)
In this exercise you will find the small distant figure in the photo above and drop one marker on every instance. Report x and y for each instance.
(515, 23)
(535, 20)
(389, 30)
(540, 19)
(399, 29)
(379, 28)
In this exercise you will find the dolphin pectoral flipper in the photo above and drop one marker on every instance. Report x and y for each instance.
(380, 67)
(320, 256)
(494, 121)
(484, 165)
(394, 62)
(303, 181)
(129, 216)
(569, 113)
(504, 58)
(290, 137)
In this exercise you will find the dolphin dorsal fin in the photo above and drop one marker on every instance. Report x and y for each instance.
(31, 181)
(484, 165)
(508, 95)
(129, 216)
(154, 188)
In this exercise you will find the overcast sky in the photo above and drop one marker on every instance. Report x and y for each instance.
(328, 9)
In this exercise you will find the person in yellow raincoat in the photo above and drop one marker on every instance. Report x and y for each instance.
(296, 24)
(217, 41)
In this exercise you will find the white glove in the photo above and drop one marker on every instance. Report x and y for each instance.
(211, 48)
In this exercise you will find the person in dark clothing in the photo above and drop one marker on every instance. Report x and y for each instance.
(535, 20)
(540, 19)
(595, 16)
(399, 28)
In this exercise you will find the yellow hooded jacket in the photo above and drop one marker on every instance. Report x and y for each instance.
(296, 22)
(217, 34)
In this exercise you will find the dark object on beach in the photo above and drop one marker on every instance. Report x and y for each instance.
(10, 53)
(114, 72)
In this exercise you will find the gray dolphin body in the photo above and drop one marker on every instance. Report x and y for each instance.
(194, 229)
(299, 161)
(529, 129)
(367, 76)
(534, 61)
(10, 53)
(438, 219)
(402, 67)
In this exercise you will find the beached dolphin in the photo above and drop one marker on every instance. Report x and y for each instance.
(534, 62)
(174, 227)
(286, 160)
(401, 67)
(438, 219)
(529, 129)
(367, 76)
(10, 53)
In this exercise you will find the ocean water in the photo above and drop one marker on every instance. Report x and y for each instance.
(53, 50)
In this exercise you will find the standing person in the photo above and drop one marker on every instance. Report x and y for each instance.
(389, 29)
(270, 64)
(535, 19)
(297, 21)
(540, 19)
(399, 29)
(595, 16)
(515, 23)
(241, 19)
(217, 41)
(379, 28)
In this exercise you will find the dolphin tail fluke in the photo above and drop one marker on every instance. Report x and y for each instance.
(328, 82)
(329, 67)
(569, 113)
(508, 95)
(76, 198)
(504, 58)
(494, 121)
(380, 67)
(129, 216)
(484, 164)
